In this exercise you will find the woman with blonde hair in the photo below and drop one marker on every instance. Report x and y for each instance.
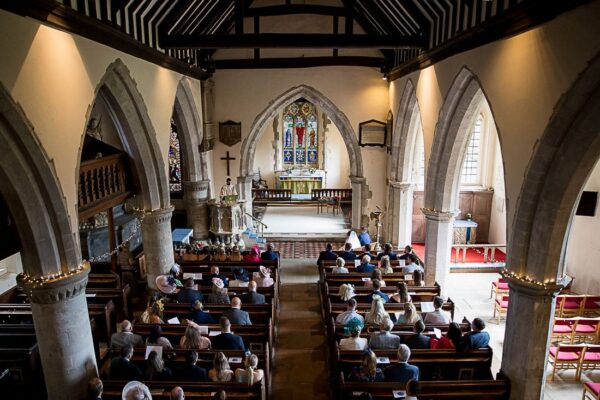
(377, 313)
(376, 274)
(402, 295)
(386, 265)
(346, 292)
(220, 372)
(354, 342)
(250, 374)
(193, 339)
(340, 266)
(368, 371)
(155, 368)
(410, 315)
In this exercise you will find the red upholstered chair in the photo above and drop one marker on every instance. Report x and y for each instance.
(593, 389)
(572, 305)
(586, 330)
(565, 357)
(500, 307)
(563, 329)
(591, 306)
(499, 287)
(590, 360)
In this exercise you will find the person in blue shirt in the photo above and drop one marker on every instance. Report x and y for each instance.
(199, 316)
(476, 339)
(364, 237)
(348, 254)
(270, 254)
(328, 254)
(365, 264)
(377, 292)
(388, 251)
(403, 371)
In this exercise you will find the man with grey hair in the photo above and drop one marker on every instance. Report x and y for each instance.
(384, 339)
(252, 296)
(177, 393)
(365, 265)
(126, 336)
(403, 371)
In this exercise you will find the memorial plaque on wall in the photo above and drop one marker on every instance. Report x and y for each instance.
(389, 130)
(372, 133)
(230, 132)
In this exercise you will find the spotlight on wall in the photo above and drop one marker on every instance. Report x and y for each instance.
(384, 69)
(385, 77)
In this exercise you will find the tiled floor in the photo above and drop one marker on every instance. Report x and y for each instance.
(299, 220)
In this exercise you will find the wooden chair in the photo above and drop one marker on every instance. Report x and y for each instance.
(590, 360)
(500, 287)
(571, 305)
(591, 306)
(565, 357)
(593, 389)
(563, 329)
(586, 330)
(500, 307)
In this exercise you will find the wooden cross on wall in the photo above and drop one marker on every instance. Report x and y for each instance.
(227, 158)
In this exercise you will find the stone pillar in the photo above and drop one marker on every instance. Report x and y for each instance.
(195, 198)
(358, 201)
(438, 246)
(208, 112)
(245, 193)
(63, 332)
(400, 213)
(527, 337)
(158, 242)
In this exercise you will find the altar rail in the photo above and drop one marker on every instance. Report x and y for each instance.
(344, 195)
(489, 250)
(265, 195)
(102, 184)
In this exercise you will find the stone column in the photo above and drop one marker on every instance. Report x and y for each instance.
(358, 201)
(62, 328)
(158, 242)
(400, 213)
(527, 337)
(245, 193)
(438, 246)
(195, 198)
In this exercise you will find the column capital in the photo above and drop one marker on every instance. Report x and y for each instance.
(357, 179)
(437, 215)
(244, 179)
(403, 186)
(208, 83)
(158, 216)
(531, 288)
(49, 289)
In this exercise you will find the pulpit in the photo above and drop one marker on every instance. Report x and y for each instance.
(226, 218)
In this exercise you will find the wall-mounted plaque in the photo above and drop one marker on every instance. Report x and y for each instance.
(230, 132)
(389, 130)
(372, 133)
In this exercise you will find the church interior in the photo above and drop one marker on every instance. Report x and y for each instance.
(300, 199)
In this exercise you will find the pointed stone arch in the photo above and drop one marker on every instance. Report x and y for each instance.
(400, 184)
(52, 278)
(452, 133)
(360, 191)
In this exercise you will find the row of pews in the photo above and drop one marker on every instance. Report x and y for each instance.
(443, 374)
(258, 338)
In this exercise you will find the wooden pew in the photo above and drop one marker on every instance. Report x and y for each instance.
(337, 331)
(335, 309)
(19, 354)
(108, 280)
(193, 390)
(490, 389)
(259, 313)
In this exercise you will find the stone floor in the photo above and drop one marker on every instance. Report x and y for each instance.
(302, 220)
(300, 370)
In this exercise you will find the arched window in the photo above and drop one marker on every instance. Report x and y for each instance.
(471, 170)
(300, 135)
(174, 161)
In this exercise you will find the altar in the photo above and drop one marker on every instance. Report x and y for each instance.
(464, 232)
(301, 181)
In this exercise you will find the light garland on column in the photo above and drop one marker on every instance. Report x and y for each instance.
(547, 284)
(27, 279)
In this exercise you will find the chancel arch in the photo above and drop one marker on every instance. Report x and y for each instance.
(53, 278)
(465, 108)
(337, 117)
(554, 180)
(128, 113)
(404, 175)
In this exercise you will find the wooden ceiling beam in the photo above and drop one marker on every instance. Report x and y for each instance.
(269, 11)
(303, 62)
(289, 40)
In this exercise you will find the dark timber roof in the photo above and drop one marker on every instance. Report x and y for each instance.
(185, 34)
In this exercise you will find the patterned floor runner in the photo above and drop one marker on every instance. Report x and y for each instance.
(308, 249)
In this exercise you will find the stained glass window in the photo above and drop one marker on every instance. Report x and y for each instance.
(300, 135)
(471, 165)
(174, 160)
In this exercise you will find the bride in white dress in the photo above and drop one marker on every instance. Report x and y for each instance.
(353, 240)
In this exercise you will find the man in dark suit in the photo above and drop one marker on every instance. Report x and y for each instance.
(121, 368)
(418, 340)
(214, 273)
(348, 254)
(403, 371)
(270, 254)
(388, 251)
(476, 339)
(328, 254)
(235, 315)
(227, 340)
(251, 296)
(377, 291)
(190, 371)
(188, 295)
